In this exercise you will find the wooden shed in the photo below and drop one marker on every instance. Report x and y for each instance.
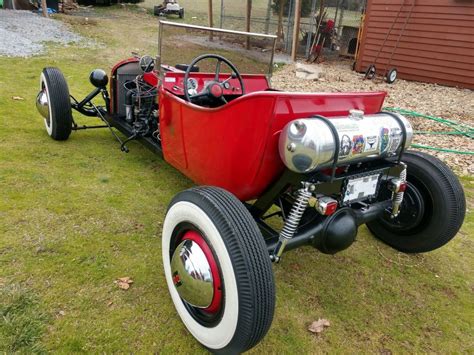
(428, 40)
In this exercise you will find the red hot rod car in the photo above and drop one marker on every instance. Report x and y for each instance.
(322, 163)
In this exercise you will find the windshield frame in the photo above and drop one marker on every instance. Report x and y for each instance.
(163, 23)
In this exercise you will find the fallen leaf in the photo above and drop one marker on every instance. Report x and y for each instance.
(18, 98)
(318, 325)
(123, 285)
(125, 279)
(124, 282)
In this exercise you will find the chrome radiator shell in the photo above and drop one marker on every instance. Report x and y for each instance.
(308, 144)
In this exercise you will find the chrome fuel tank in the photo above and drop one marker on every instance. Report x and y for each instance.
(308, 144)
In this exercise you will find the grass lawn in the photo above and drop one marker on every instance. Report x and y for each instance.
(77, 215)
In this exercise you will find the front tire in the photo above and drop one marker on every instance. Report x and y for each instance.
(432, 210)
(242, 306)
(58, 121)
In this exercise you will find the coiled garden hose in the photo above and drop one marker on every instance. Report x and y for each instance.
(458, 129)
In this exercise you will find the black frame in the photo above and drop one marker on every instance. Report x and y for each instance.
(326, 185)
(87, 108)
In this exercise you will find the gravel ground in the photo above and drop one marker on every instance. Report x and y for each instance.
(24, 33)
(446, 102)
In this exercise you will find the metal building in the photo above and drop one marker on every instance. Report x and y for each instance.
(425, 40)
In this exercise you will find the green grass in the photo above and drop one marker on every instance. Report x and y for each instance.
(23, 320)
(77, 215)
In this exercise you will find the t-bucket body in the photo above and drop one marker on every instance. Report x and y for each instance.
(236, 146)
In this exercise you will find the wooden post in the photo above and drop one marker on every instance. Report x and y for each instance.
(211, 22)
(44, 7)
(341, 18)
(280, 20)
(221, 20)
(296, 30)
(247, 24)
(268, 17)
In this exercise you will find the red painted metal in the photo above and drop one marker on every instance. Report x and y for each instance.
(235, 146)
(151, 78)
(216, 302)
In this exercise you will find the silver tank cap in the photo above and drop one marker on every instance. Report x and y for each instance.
(356, 114)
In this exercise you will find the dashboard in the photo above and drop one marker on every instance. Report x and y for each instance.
(174, 82)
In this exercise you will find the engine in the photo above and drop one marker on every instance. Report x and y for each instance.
(141, 109)
(309, 144)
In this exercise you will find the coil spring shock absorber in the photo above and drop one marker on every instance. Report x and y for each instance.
(293, 220)
(398, 192)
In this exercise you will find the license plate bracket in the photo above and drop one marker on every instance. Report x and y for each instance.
(361, 187)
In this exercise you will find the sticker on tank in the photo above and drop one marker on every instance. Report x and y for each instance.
(358, 144)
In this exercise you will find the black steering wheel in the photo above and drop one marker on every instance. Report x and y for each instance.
(214, 89)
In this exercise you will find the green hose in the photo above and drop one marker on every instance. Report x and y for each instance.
(458, 129)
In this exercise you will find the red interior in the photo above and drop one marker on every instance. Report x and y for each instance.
(235, 146)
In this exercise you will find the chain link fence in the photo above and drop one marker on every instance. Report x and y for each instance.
(278, 16)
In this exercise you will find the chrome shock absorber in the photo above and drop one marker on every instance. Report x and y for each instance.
(293, 220)
(398, 191)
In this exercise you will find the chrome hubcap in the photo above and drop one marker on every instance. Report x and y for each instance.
(192, 275)
(42, 104)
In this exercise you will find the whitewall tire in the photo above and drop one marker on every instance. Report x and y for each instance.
(54, 104)
(244, 311)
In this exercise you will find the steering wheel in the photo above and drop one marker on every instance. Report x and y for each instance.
(215, 88)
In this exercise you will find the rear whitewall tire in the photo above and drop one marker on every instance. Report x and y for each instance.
(219, 336)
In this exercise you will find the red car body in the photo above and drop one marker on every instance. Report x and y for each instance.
(238, 150)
